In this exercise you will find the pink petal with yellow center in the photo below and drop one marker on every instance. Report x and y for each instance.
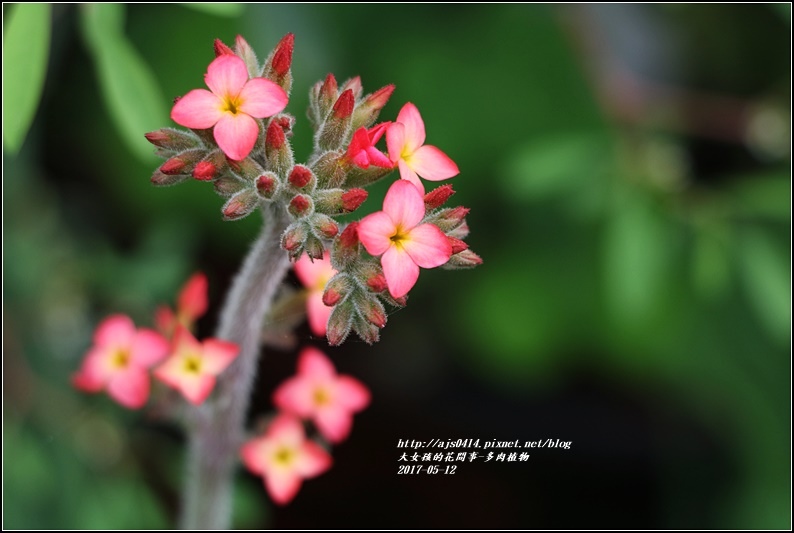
(148, 348)
(310, 273)
(375, 231)
(199, 109)
(432, 164)
(427, 246)
(334, 422)
(395, 141)
(226, 76)
(217, 355)
(351, 394)
(94, 372)
(253, 456)
(130, 387)
(313, 364)
(192, 302)
(410, 176)
(400, 271)
(318, 313)
(115, 331)
(414, 127)
(236, 134)
(282, 486)
(286, 430)
(262, 98)
(184, 341)
(404, 204)
(312, 460)
(196, 388)
(296, 396)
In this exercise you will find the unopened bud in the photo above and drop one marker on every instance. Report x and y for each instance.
(300, 205)
(173, 166)
(337, 288)
(247, 169)
(373, 311)
(182, 163)
(241, 204)
(300, 176)
(293, 239)
(247, 54)
(354, 84)
(339, 323)
(277, 65)
(274, 138)
(461, 232)
(464, 259)
(227, 186)
(277, 150)
(368, 332)
(314, 247)
(377, 283)
(352, 199)
(330, 169)
(346, 247)
(438, 196)
(368, 110)
(343, 107)
(450, 218)
(457, 245)
(266, 185)
(329, 92)
(333, 133)
(204, 171)
(221, 49)
(173, 140)
(166, 180)
(325, 225)
(349, 237)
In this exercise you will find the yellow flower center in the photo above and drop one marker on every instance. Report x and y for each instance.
(120, 359)
(284, 456)
(399, 237)
(192, 364)
(321, 396)
(231, 105)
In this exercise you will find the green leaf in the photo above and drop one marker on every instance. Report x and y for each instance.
(26, 46)
(129, 89)
(767, 196)
(230, 9)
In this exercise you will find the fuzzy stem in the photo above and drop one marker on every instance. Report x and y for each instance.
(216, 428)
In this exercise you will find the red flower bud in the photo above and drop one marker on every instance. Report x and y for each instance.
(352, 199)
(300, 176)
(354, 84)
(343, 107)
(331, 297)
(457, 244)
(377, 100)
(204, 171)
(293, 237)
(438, 196)
(241, 204)
(299, 205)
(376, 316)
(282, 57)
(274, 138)
(327, 227)
(266, 185)
(329, 89)
(173, 166)
(157, 138)
(222, 49)
(377, 283)
(349, 237)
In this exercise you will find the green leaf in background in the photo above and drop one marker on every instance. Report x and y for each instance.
(767, 278)
(710, 261)
(130, 91)
(26, 47)
(230, 9)
(766, 195)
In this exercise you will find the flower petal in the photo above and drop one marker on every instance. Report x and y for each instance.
(130, 387)
(334, 422)
(314, 364)
(313, 460)
(286, 429)
(400, 271)
(94, 372)
(196, 388)
(296, 396)
(184, 341)
(351, 393)
(375, 231)
(395, 141)
(115, 331)
(192, 302)
(377, 158)
(236, 134)
(226, 76)
(404, 204)
(410, 176)
(427, 246)
(148, 348)
(414, 127)
(262, 98)
(377, 131)
(218, 355)
(432, 164)
(282, 486)
(318, 313)
(311, 273)
(253, 455)
(198, 109)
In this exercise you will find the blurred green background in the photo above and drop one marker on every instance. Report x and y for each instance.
(628, 171)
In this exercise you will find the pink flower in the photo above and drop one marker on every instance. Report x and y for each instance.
(362, 151)
(231, 107)
(405, 140)
(190, 306)
(193, 366)
(284, 458)
(319, 394)
(314, 276)
(119, 360)
(405, 245)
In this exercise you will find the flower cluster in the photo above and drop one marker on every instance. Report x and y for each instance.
(121, 357)
(239, 141)
(283, 456)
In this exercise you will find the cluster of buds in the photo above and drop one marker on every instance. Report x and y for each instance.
(239, 140)
(122, 355)
(283, 455)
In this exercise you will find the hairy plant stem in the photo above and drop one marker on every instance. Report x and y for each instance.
(216, 428)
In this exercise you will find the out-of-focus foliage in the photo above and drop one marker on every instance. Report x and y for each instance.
(628, 170)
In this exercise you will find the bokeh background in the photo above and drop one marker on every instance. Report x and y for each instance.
(628, 171)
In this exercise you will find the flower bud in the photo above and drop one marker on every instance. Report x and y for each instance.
(247, 169)
(227, 186)
(247, 54)
(448, 219)
(354, 84)
(267, 185)
(277, 150)
(352, 199)
(377, 282)
(330, 170)
(294, 238)
(333, 133)
(277, 65)
(461, 232)
(346, 247)
(300, 206)
(210, 167)
(338, 201)
(367, 111)
(372, 310)
(362, 177)
(329, 92)
(368, 332)
(340, 323)
(222, 49)
(337, 288)
(166, 180)
(457, 244)
(325, 225)
(464, 259)
(241, 204)
(172, 140)
(301, 177)
(314, 247)
(182, 163)
(438, 196)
